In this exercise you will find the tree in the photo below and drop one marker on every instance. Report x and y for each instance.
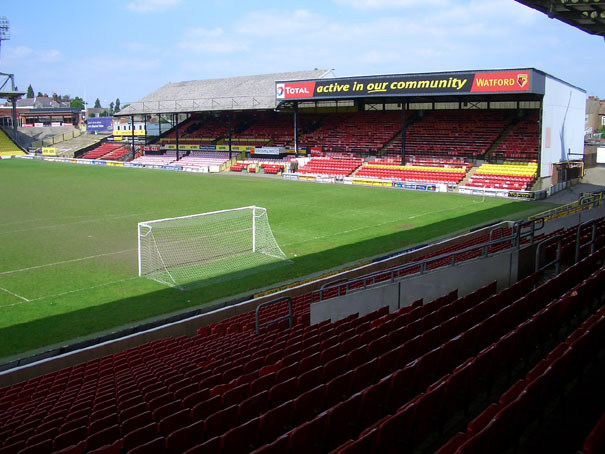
(117, 104)
(111, 107)
(77, 103)
(30, 91)
(39, 93)
(97, 104)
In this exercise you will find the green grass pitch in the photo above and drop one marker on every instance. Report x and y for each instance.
(68, 239)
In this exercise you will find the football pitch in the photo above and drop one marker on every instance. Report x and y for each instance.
(68, 239)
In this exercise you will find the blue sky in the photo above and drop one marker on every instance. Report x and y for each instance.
(126, 49)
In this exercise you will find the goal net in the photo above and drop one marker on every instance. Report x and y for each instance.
(190, 249)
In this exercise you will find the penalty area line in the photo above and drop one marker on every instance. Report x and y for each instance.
(25, 300)
(22, 298)
(81, 259)
(84, 289)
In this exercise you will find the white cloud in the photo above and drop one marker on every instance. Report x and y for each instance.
(151, 6)
(283, 23)
(216, 41)
(50, 56)
(20, 53)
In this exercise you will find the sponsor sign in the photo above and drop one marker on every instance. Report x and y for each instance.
(115, 163)
(98, 163)
(100, 124)
(137, 132)
(414, 186)
(324, 179)
(301, 150)
(155, 148)
(409, 84)
(294, 90)
(49, 151)
(501, 82)
(273, 151)
(521, 195)
(233, 148)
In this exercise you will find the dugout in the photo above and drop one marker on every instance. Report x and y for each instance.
(560, 106)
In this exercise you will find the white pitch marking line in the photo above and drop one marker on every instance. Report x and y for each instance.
(81, 259)
(25, 300)
(84, 289)
(67, 224)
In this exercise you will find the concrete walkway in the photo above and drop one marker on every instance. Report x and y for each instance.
(593, 181)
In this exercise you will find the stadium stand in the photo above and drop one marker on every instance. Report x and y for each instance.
(204, 159)
(467, 134)
(394, 160)
(107, 151)
(8, 147)
(272, 130)
(513, 175)
(485, 372)
(167, 158)
(269, 166)
(330, 166)
(203, 130)
(365, 132)
(522, 142)
(447, 175)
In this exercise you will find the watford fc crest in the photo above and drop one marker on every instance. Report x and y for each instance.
(522, 79)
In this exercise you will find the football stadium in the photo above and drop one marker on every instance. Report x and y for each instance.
(301, 263)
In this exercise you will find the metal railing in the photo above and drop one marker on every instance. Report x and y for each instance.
(556, 261)
(591, 242)
(288, 317)
(586, 202)
(344, 286)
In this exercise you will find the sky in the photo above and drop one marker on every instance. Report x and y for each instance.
(127, 49)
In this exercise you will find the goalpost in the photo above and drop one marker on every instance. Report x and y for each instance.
(189, 249)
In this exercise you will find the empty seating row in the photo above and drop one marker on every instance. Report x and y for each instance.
(412, 173)
(330, 166)
(108, 151)
(517, 176)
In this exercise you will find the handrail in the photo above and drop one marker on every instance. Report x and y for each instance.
(288, 317)
(520, 225)
(585, 202)
(391, 274)
(556, 261)
(591, 242)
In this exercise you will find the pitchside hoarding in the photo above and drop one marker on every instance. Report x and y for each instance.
(509, 81)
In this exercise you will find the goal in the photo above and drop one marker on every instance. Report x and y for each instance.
(190, 250)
